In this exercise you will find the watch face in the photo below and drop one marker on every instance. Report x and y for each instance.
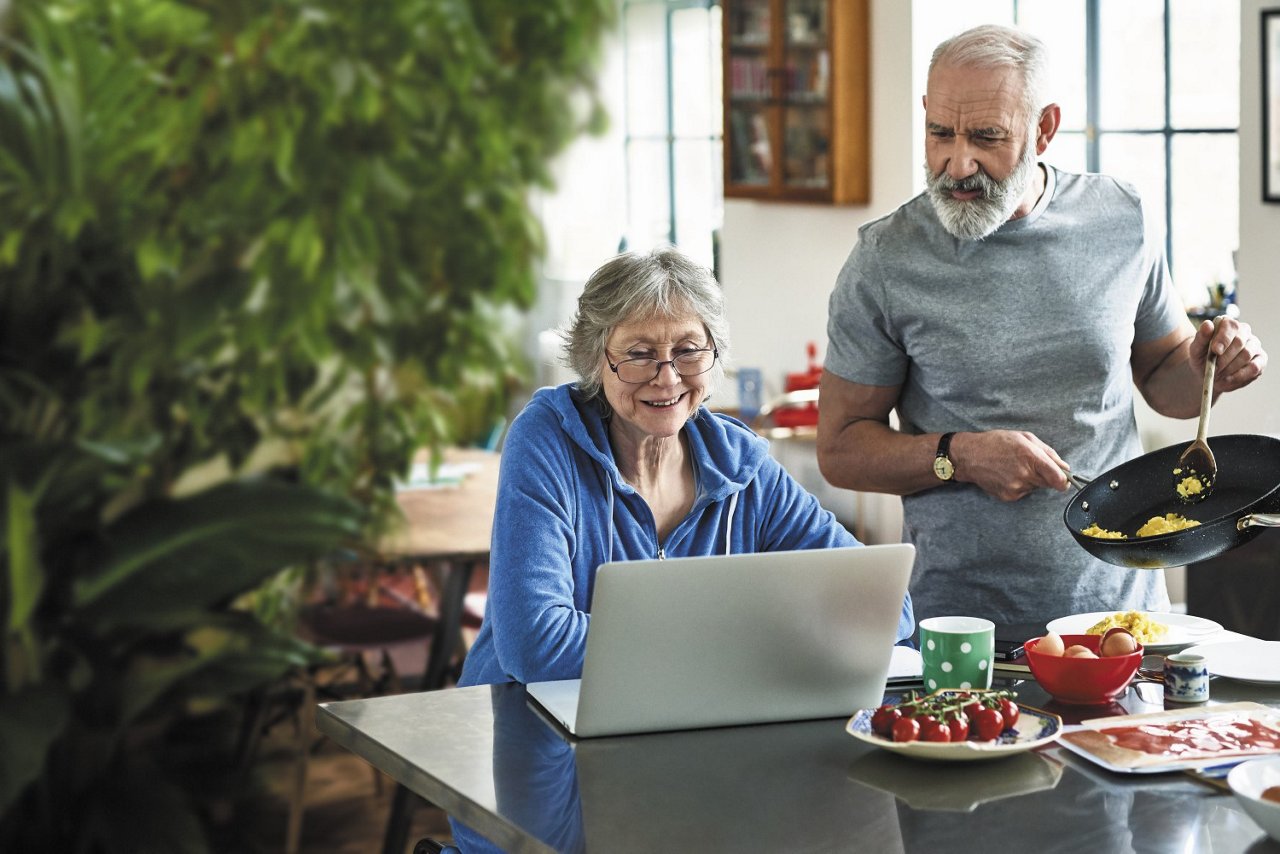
(943, 468)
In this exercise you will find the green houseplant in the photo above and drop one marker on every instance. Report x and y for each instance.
(253, 255)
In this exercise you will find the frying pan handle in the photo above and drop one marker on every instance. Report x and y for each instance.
(1264, 520)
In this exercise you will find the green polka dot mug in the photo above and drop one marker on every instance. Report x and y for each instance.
(958, 652)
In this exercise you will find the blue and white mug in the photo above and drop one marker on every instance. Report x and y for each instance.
(1186, 678)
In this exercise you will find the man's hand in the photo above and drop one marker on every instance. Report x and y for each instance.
(1241, 358)
(1007, 464)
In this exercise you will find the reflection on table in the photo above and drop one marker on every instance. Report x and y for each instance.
(509, 775)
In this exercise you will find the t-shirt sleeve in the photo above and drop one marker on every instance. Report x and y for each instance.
(1160, 309)
(861, 345)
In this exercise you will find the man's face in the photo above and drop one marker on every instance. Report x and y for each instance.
(980, 150)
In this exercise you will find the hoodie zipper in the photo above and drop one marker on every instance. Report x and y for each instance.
(662, 553)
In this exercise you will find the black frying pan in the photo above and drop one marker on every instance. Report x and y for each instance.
(1245, 495)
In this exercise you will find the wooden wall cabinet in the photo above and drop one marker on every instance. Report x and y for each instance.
(796, 100)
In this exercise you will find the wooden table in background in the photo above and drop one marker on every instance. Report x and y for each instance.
(447, 529)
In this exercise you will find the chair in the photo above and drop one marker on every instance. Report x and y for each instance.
(364, 620)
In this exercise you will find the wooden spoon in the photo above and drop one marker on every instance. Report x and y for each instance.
(1196, 470)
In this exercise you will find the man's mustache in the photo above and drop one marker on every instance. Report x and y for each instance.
(977, 181)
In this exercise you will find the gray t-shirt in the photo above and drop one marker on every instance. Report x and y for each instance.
(1028, 329)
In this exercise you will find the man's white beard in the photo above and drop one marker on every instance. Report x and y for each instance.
(980, 217)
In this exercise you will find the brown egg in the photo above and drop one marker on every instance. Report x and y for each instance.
(1078, 651)
(1051, 644)
(1118, 641)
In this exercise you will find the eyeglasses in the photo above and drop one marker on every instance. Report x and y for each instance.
(687, 364)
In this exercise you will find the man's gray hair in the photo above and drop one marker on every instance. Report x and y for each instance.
(634, 286)
(993, 46)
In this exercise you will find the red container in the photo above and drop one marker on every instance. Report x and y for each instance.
(804, 415)
(1082, 681)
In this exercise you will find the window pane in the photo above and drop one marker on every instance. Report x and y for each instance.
(1138, 159)
(1067, 152)
(646, 70)
(695, 64)
(697, 178)
(1132, 60)
(1060, 25)
(935, 20)
(1206, 214)
(648, 186)
(1205, 64)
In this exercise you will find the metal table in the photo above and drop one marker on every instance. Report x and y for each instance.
(497, 765)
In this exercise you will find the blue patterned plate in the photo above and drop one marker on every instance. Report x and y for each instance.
(1035, 728)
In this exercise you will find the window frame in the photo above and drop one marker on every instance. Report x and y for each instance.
(1093, 131)
(669, 139)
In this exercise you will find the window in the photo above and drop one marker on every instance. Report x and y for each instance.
(1149, 91)
(672, 133)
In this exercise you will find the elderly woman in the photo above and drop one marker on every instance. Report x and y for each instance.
(627, 463)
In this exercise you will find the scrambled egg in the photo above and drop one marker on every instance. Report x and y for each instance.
(1190, 485)
(1102, 533)
(1144, 629)
(1165, 524)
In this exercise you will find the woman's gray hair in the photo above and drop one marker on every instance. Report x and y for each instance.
(632, 286)
(993, 46)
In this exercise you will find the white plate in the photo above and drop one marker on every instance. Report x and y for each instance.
(1252, 660)
(1035, 727)
(1183, 628)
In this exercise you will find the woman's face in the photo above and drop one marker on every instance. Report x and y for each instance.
(659, 407)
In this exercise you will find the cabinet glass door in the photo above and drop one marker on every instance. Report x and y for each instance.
(750, 88)
(806, 114)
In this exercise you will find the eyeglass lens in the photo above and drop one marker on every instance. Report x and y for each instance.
(686, 365)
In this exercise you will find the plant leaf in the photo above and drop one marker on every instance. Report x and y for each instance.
(25, 578)
(171, 556)
(30, 721)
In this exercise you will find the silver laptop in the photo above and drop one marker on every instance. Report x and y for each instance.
(696, 642)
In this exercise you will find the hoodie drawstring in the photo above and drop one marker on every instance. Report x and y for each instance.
(728, 533)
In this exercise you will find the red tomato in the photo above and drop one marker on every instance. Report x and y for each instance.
(883, 719)
(971, 710)
(989, 724)
(935, 732)
(1009, 711)
(906, 729)
(959, 726)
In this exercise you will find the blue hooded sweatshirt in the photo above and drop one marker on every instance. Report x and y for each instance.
(563, 510)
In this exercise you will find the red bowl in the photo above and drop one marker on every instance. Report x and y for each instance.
(1082, 681)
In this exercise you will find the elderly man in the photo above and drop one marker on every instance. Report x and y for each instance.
(1007, 313)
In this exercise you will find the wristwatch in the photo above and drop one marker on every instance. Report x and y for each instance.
(942, 465)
